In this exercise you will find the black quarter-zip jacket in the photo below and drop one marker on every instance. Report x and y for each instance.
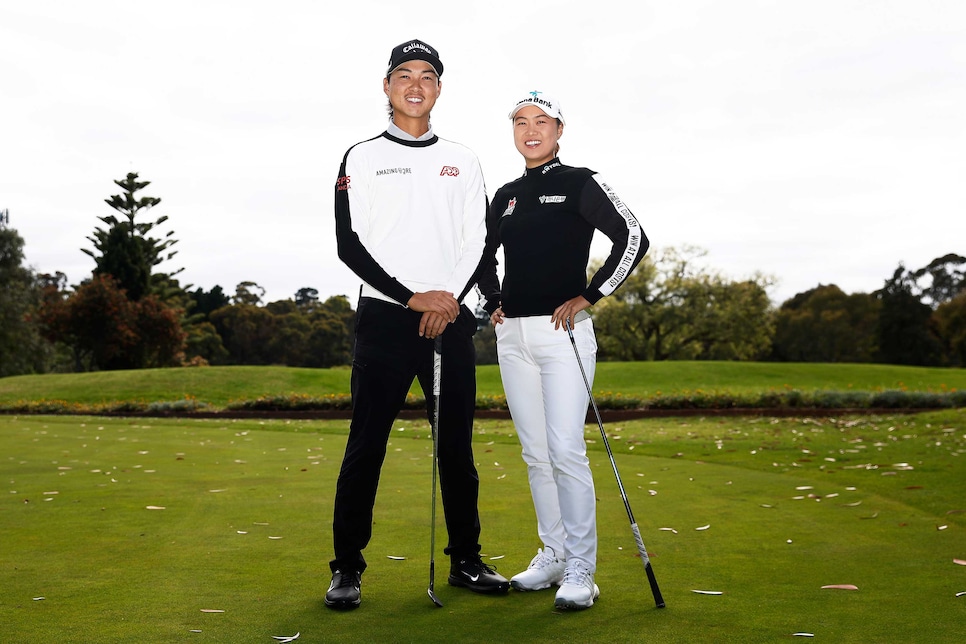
(545, 221)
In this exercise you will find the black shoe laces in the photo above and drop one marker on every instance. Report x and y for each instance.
(479, 564)
(348, 579)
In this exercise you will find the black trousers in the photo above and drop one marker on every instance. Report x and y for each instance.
(388, 355)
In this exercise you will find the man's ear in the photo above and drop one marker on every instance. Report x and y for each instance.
(385, 85)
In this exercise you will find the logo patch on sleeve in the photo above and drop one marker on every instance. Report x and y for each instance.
(509, 208)
(552, 198)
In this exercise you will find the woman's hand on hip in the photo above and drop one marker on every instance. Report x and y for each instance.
(568, 310)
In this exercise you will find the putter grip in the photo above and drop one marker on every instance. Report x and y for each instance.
(437, 363)
(651, 579)
(640, 544)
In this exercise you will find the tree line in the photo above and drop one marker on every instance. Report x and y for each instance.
(132, 313)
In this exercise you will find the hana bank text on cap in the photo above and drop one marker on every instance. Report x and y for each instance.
(549, 105)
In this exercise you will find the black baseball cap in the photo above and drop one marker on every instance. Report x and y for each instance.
(414, 50)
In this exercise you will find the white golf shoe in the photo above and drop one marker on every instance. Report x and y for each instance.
(578, 589)
(545, 569)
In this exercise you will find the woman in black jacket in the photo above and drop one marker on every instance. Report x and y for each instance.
(545, 222)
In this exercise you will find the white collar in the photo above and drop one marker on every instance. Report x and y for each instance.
(399, 133)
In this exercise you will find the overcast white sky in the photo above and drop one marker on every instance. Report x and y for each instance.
(818, 141)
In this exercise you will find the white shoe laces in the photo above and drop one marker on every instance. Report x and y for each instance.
(577, 574)
(543, 559)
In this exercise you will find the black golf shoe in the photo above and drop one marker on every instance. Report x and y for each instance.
(345, 591)
(471, 572)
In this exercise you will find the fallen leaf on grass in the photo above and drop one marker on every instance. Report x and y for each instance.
(704, 527)
(396, 558)
(212, 610)
(941, 527)
(852, 505)
(669, 530)
(275, 538)
(155, 507)
(803, 634)
(961, 562)
(961, 594)
(39, 599)
(708, 592)
(286, 638)
(497, 557)
(871, 516)
(841, 587)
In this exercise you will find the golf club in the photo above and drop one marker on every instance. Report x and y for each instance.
(437, 368)
(652, 580)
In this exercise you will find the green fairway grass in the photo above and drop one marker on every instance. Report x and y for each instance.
(764, 510)
(219, 386)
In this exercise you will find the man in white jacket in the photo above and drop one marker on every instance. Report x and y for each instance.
(410, 212)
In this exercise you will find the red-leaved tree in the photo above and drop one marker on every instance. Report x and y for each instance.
(106, 330)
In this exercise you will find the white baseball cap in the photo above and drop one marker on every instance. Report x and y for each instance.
(549, 105)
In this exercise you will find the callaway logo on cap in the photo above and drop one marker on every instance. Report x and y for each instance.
(549, 105)
(414, 50)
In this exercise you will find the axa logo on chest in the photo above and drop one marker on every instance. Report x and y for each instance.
(449, 171)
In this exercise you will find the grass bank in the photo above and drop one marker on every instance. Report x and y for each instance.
(656, 385)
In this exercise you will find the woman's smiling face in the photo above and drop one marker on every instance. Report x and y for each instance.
(535, 135)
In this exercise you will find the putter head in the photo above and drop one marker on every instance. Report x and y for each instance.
(435, 599)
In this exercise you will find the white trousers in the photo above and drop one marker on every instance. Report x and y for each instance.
(548, 401)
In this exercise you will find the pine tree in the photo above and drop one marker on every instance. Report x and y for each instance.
(126, 251)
